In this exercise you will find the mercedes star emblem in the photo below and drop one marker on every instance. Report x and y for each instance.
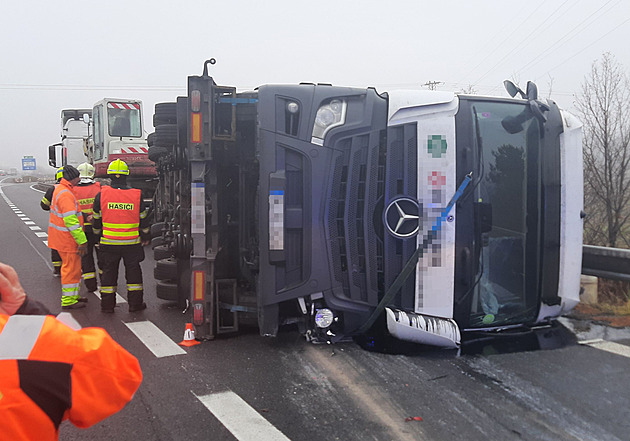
(402, 217)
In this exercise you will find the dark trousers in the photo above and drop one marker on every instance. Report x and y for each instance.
(56, 261)
(88, 265)
(109, 261)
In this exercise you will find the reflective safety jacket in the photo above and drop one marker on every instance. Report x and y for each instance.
(47, 199)
(50, 372)
(65, 229)
(120, 216)
(85, 194)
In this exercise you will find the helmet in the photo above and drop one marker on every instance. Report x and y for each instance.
(86, 170)
(117, 167)
(59, 174)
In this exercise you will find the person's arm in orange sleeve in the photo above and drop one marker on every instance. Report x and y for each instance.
(104, 377)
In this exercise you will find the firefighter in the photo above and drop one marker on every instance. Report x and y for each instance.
(121, 221)
(45, 204)
(50, 372)
(65, 234)
(85, 193)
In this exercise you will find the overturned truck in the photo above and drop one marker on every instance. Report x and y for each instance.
(345, 211)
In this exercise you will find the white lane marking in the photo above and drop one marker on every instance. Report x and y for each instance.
(240, 418)
(35, 228)
(609, 346)
(41, 234)
(28, 222)
(32, 187)
(154, 339)
(119, 299)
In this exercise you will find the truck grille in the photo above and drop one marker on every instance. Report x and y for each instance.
(357, 187)
(401, 180)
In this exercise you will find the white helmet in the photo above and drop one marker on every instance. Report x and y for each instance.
(86, 170)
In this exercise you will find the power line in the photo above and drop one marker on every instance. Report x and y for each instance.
(88, 87)
(518, 45)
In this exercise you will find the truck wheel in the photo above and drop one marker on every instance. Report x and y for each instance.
(166, 269)
(166, 135)
(165, 113)
(166, 290)
(158, 228)
(156, 152)
(157, 241)
(162, 252)
(150, 139)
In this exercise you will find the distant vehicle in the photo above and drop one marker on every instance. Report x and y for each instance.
(13, 171)
(118, 133)
(74, 135)
(3, 173)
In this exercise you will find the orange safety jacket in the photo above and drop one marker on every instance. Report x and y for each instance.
(120, 214)
(85, 195)
(50, 372)
(65, 229)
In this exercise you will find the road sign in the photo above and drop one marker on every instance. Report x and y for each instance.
(29, 163)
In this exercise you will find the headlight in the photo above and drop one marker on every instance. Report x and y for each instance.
(324, 317)
(329, 115)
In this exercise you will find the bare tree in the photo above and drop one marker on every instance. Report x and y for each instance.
(604, 108)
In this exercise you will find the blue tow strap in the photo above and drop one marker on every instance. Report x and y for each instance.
(413, 260)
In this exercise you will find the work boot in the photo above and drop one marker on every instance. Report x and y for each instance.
(57, 271)
(107, 310)
(140, 307)
(82, 299)
(77, 305)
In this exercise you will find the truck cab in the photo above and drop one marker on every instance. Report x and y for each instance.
(118, 133)
(74, 133)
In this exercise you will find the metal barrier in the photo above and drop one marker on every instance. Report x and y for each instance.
(605, 262)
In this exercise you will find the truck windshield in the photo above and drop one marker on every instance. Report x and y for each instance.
(123, 119)
(507, 139)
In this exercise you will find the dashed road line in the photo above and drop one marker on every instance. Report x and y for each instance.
(608, 346)
(154, 339)
(24, 218)
(242, 420)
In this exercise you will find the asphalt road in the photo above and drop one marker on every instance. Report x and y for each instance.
(546, 386)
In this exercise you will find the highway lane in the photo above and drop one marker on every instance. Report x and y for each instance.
(308, 392)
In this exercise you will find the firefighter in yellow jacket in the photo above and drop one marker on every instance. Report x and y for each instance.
(50, 372)
(65, 234)
(121, 220)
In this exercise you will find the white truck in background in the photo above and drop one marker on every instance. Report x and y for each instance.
(74, 134)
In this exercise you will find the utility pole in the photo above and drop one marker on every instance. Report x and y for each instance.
(432, 85)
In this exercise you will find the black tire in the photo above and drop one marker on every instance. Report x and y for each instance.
(157, 152)
(157, 229)
(166, 290)
(157, 241)
(162, 252)
(150, 139)
(165, 113)
(165, 135)
(166, 269)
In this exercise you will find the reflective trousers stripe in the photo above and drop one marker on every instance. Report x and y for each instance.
(108, 289)
(134, 287)
(69, 300)
(19, 336)
(89, 275)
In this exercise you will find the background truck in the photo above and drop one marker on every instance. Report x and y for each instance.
(112, 129)
(74, 133)
(345, 211)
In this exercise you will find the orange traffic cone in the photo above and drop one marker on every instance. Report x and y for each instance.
(189, 336)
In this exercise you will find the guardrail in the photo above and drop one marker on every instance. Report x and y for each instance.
(605, 262)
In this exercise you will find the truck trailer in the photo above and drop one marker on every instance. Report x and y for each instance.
(346, 211)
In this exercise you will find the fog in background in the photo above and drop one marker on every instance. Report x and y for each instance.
(57, 55)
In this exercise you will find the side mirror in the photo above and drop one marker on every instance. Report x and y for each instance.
(86, 118)
(52, 155)
(513, 89)
(532, 91)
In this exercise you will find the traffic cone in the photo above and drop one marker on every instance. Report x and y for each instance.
(189, 336)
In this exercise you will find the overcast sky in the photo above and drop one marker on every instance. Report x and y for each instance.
(58, 54)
